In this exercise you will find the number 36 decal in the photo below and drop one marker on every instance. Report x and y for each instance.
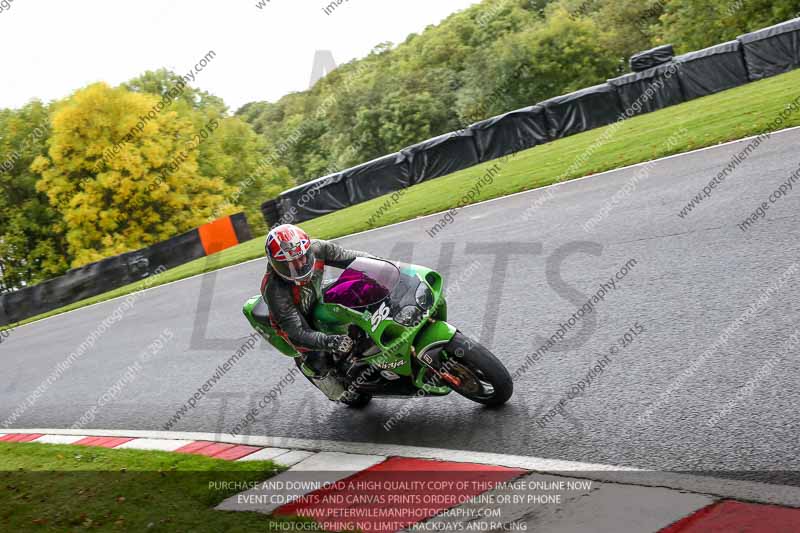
(380, 315)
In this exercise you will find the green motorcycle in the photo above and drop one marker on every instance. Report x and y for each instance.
(396, 315)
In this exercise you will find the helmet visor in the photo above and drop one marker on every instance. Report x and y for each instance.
(296, 269)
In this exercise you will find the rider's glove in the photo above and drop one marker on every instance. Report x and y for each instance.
(339, 343)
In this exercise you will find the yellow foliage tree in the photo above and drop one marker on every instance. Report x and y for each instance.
(123, 173)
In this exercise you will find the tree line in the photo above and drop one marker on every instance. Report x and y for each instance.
(491, 58)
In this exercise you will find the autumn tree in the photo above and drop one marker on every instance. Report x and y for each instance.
(231, 150)
(121, 171)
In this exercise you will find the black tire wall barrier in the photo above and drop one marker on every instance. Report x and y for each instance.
(441, 155)
(377, 177)
(649, 90)
(712, 70)
(582, 110)
(271, 211)
(651, 58)
(241, 227)
(315, 198)
(511, 132)
(773, 50)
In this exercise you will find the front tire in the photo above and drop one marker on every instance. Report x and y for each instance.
(484, 379)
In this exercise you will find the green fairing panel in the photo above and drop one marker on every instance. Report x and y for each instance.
(434, 332)
(269, 334)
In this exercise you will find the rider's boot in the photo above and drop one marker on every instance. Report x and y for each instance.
(321, 368)
(318, 364)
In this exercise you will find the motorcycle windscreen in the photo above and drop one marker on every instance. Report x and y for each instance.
(365, 282)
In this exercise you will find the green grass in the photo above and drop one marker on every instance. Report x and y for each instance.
(47, 487)
(722, 117)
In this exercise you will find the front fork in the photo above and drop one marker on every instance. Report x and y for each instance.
(427, 349)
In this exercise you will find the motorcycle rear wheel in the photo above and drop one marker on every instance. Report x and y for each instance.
(484, 379)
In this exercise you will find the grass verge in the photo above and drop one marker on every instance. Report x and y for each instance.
(69, 488)
(727, 116)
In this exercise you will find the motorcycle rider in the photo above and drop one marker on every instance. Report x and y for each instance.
(291, 287)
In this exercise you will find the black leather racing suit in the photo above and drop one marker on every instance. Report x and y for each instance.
(290, 305)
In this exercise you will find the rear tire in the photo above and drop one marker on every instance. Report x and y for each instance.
(484, 378)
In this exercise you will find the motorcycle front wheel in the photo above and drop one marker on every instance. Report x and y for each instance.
(481, 376)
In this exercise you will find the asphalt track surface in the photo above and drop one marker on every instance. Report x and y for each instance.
(693, 278)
